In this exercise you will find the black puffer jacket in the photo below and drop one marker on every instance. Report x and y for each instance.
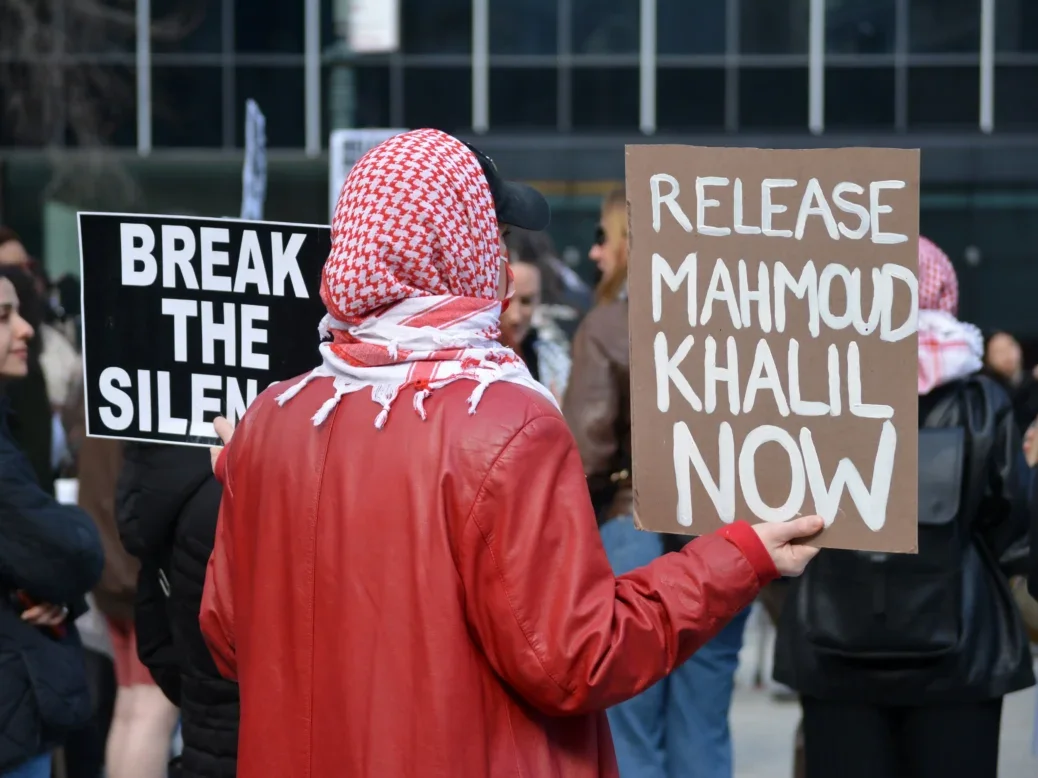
(168, 503)
(958, 634)
(53, 554)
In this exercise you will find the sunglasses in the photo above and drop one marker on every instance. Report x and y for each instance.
(600, 236)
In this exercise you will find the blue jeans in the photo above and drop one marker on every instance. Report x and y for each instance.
(679, 727)
(37, 767)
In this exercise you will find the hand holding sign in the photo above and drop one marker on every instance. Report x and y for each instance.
(224, 429)
(790, 558)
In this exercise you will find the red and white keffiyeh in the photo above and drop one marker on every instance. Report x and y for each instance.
(948, 348)
(411, 282)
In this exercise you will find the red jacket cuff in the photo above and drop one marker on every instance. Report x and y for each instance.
(743, 537)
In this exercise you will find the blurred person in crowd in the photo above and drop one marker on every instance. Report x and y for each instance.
(59, 358)
(96, 464)
(169, 501)
(565, 297)
(902, 660)
(1004, 361)
(143, 720)
(1004, 358)
(59, 361)
(12, 250)
(140, 726)
(527, 333)
(420, 591)
(678, 727)
(50, 557)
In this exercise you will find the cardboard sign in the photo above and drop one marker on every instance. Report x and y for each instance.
(187, 319)
(773, 312)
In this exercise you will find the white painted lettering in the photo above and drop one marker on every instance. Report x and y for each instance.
(669, 199)
(136, 248)
(111, 382)
(662, 274)
(703, 202)
(721, 491)
(178, 249)
(213, 257)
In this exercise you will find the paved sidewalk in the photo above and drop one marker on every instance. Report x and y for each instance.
(762, 729)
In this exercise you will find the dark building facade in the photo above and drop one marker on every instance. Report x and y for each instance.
(553, 89)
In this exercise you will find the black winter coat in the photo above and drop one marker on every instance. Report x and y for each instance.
(168, 502)
(989, 655)
(53, 553)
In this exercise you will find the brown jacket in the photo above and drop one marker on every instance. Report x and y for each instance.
(99, 461)
(597, 406)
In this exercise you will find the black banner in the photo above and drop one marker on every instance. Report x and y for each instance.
(187, 319)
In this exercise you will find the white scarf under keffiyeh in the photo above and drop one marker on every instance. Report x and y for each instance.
(948, 350)
(428, 342)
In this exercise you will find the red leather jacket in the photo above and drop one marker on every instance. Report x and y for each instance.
(432, 599)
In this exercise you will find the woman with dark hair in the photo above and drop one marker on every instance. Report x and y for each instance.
(32, 418)
(50, 557)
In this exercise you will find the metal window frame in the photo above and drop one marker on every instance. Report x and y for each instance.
(816, 67)
(228, 75)
(647, 67)
(480, 66)
(647, 60)
(312, 76)
(143, 63)
(986, 120)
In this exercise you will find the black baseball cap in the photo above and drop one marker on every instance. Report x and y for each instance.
(517, 205)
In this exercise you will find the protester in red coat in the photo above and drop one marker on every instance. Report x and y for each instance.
(423, 593)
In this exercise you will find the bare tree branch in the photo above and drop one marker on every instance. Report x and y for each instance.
(49, 102)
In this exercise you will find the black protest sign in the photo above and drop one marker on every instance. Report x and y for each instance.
(187, 319)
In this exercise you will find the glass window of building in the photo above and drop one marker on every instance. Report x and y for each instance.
(436, 26)
(604, 26)
(187, 106)
(358, 96)
(45, 104)
(773, 98)
(944, 97)
(194, 26)
(524, 98)
(524, 26)
(1016, 108)
(690, 99)
(860, 26)
(438, 97)
(605, 98)
(943, 26)
(690, 26)
(280, 93)
(773, 26)
(268, 26)
(859, 98)
(1016, 25)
